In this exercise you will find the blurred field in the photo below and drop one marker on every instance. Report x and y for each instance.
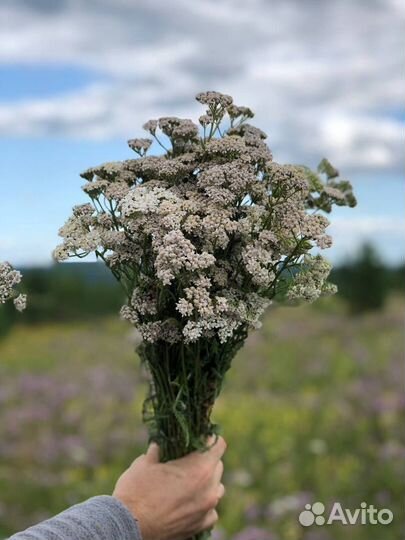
(313, 410)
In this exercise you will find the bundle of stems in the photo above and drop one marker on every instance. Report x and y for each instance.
(185, 382)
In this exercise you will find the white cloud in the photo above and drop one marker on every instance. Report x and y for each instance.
(368, 226)
(367, 141)
(386, 233)
(325, 78)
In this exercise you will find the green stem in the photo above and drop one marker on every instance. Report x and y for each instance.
(185, 381)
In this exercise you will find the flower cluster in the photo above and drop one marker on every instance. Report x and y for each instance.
(9, 278)
(206, 235)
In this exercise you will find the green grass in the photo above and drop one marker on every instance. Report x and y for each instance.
(311, 409)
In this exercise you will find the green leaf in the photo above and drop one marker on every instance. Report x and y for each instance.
(327, 168)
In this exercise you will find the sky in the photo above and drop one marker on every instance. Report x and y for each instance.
(80, 77)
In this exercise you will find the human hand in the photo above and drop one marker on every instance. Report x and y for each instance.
(176, 499)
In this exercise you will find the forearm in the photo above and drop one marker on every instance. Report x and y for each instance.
(98, 518)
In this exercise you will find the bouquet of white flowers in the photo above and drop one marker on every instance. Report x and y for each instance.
(202, 238)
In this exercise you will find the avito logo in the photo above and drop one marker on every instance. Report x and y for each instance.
(365, 515)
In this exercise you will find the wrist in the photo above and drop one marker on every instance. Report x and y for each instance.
(137, 514)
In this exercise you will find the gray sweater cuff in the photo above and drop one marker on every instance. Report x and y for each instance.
(99, 518)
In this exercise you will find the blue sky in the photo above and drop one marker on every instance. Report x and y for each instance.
(78, 79)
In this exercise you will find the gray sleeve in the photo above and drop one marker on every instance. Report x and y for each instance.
(99, 518)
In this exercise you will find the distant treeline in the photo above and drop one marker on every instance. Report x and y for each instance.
(365, 282)
(65, 292)
(77, 291)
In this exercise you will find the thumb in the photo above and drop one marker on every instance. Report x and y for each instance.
(152, 453)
